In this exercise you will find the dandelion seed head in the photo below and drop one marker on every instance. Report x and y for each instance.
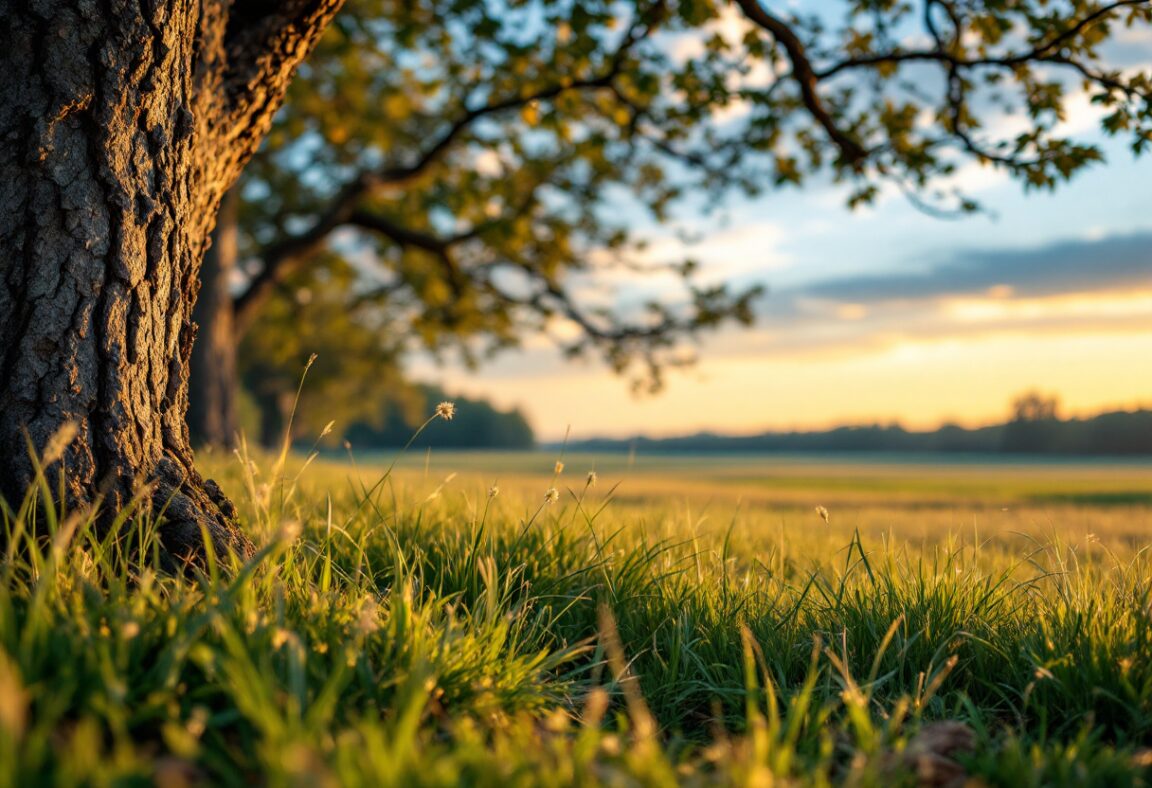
(198, 721)
(290, 531)
(552, 496)
(280, 637)
(60, 441)
(446, 410)
(368, 621)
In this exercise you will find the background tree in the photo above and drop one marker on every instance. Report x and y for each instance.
(352, 387)
(487, 163)
(1035, 406)
(314, 321)
(1035, 424)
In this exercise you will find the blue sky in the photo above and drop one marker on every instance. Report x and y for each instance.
(887, 314)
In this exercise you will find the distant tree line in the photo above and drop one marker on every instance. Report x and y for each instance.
(475, 425)
(1035, 428)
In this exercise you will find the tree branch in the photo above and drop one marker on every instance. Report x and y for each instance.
(402, 236)
(282, 256)
(1043, 52)
(806, 79)
(263, 44)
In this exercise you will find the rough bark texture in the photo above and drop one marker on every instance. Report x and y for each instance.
(213, 383)
(121, 126)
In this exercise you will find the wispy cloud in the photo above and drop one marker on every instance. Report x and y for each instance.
(1066, 267)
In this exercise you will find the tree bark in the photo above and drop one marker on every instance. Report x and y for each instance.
(121, 126)
(213, 381)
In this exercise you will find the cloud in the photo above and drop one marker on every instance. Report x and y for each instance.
(1066, 267)
(1072, 292)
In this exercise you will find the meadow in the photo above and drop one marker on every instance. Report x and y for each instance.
(670, 620)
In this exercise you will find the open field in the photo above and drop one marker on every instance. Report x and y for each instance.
(682, 620)
(769, 501)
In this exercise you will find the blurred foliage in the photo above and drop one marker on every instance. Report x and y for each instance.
(317, 343)
(342, 359)
(488, 169)
(475, 425)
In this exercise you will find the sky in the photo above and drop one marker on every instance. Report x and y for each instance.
(886, 314)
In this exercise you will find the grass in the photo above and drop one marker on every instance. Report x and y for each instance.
(675, 623)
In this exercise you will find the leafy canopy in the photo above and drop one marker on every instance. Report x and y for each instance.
(486, 168)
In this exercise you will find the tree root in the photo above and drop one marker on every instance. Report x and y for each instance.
(192, 508)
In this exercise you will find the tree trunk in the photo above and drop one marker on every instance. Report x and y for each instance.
(121, 126)
(275, 410)
(213, 383)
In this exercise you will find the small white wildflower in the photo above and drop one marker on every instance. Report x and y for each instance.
(552, 496)
(592, 478)
(198, 721)
(446, 410)
(280, 637)
(822, 512)
(368, 621)
(290, 531)
(559, 468)
(493, 491)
